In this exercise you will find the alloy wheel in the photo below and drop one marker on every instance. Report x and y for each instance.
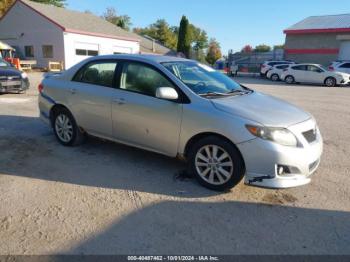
(213, 164)
(64, 128)
(330, 82)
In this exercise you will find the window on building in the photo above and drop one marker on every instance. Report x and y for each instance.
(97, 73)
(142, 79)
(84, 52)
(29, 51)
(47, 51)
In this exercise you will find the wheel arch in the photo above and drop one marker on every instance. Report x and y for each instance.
(194, 139)
(332, 77)
(54, 110)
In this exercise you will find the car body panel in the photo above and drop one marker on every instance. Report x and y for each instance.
(313, 77)
(12, 80)
(167, 127)
(265, 109)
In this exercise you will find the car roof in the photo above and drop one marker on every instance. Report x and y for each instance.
(306, 64)
(141, 57)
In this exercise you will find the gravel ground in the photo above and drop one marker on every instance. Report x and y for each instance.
(106, 198)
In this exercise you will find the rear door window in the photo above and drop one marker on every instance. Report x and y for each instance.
(98, 73)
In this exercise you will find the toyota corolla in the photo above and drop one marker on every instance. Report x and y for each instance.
(181, 108)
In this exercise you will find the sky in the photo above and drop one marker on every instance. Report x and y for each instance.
(234, 23)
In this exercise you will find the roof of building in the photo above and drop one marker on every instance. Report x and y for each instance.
(326, 23)
(87, 23)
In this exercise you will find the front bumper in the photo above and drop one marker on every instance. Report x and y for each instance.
(263, 159)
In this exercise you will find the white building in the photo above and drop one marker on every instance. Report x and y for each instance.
(47, 33)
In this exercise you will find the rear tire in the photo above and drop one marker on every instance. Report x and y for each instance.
(330, 82)
(66, 129)
(216, 163)
(289, 79)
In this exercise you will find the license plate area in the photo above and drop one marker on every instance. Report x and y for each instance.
(10, 83)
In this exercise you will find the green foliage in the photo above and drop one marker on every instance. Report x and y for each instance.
(262, 48)
(278, 47)
(58, 3)
(184, 38)
(161, 31)
(122, 21)
(213, 52)
(196, 39)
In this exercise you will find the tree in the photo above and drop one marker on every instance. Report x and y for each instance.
(58, 3)
(278, 47)
(262, 48)
(5, 5)
(247, 49)
(213, 52)
(184, 37)
(160, 31)
(122, 21)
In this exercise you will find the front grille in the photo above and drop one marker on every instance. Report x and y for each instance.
(310, 135)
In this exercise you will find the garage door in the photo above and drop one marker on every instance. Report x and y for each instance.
(122, 50)
(344, 52)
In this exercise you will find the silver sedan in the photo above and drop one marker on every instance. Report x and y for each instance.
(181, 108)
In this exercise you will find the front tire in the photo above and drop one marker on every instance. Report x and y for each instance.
(216, 163)
(66, 129)
(330, 82)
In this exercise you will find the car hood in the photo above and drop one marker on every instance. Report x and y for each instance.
(261, 108)
(9, 72)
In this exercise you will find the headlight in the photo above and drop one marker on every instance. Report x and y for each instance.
(279, 135)
(24, 75)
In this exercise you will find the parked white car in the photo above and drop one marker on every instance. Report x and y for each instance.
(340, 66)
(275, 73)
(314, 74)
(267, 66)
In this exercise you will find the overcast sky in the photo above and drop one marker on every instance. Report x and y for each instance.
(234, 23)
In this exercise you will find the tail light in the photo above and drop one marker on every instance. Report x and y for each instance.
(331, 68)
(263, 66)
(40, 87)
(285, 70)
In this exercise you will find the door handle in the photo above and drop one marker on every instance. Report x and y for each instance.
(72, 90)
(119, 101)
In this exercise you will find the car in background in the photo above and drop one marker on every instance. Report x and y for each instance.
(340, 66)
(276, 71)
(267, 66)
(314, 74)
(11, 79)
(179, 107)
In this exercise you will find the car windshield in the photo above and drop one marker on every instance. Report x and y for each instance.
(203, 80)
(3, 63)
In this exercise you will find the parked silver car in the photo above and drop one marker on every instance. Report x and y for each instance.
(179, 107)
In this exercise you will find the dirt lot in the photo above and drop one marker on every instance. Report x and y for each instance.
(105, 198)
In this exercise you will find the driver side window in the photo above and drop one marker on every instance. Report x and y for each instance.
(140, 78)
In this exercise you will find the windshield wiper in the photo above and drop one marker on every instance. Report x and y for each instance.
(213, 94)
(240, 92)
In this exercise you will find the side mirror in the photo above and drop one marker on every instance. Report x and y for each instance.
(167, 93)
